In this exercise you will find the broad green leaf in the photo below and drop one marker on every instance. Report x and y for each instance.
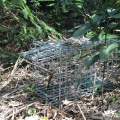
(32, 111)
(103, 53)
(112, 46)
(91, 61)
(25, 12)
(109, 36)
(97, 38)
(111, 11)
(116, 15)
(96, 19)
(82, 30)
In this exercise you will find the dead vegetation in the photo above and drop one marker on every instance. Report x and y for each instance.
(16, 100)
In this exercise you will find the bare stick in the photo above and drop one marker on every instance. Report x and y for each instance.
(12, 73)
(93, 86)
(81, 112)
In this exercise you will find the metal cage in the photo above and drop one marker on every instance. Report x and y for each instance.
(58, 69)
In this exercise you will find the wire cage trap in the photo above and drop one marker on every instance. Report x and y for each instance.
(58, 69)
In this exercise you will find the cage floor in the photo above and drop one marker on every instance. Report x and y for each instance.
(67, 90)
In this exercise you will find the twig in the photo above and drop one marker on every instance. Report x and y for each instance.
(13, 114)
(93, 86)
(81, 112)
(12, 73)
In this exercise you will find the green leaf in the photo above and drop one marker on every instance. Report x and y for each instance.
(109, 36)
(96, 19)
(115, 96)
(116, 15)
(111, 11)
(91, 61)
(103, 53)
(52, 4)
(25, 28)
(113, 99)
(33, 86)
(118, 114)
(19, 59)
(29, 88)
(112, 46)
(26, 13)
(32, 111)
(24, 1)
(18, 2)
(97, 38)
(58, 23)
(96, 89)
(38, 28)
(112, 25)
(2, 1)
(82, 30)
(109, 96)
(43, 118)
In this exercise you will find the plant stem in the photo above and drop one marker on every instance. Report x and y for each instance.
(104, 67)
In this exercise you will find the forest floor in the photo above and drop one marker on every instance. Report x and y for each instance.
(16, 101)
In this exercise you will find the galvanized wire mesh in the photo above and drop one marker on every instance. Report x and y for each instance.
(58, 69)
